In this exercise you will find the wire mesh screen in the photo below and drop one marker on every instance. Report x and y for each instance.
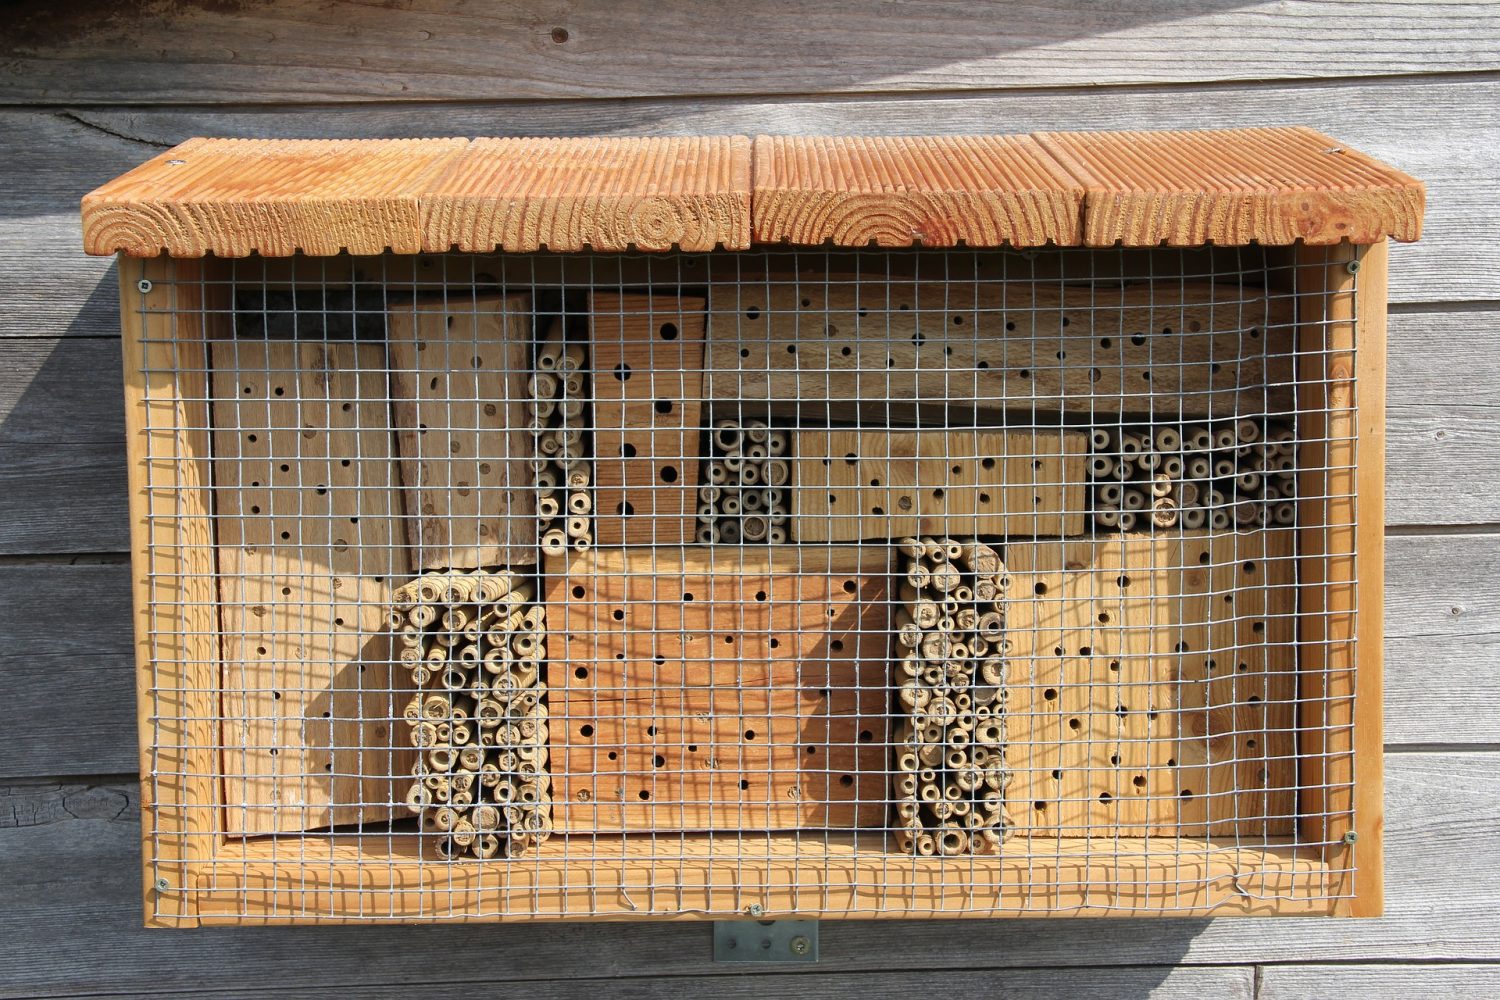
(929, 582)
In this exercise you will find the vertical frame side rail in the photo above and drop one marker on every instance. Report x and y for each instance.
(172, 577)
(1341, 376)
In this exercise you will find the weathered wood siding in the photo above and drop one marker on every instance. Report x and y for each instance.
(89, 90)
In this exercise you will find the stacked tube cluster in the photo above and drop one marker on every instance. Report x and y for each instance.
(951, 651)
(1235, 473)
(558, 388)
(744, 492)
(474, 643)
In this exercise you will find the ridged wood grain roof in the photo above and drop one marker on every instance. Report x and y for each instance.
(234, 197)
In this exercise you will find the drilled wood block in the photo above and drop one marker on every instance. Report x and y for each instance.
(857, 484)
(1169, 346)
(308, 549)
(1153, 685)
(458, 382)
(648, 398)
(704, 689)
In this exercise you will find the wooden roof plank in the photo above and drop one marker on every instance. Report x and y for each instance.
(234, 197)
(1234, 187)
(275, 197)
(978, 191)
(605, 194)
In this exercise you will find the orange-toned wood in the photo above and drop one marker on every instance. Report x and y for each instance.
(837, 875)
(602, 194)
(979, 191)
(458, 386)
(719, 689)
(309, 550)
(166, 316)
(1142, 702)
(647, 374)
(849, 485)
(1233, 187)
(274, 197)
(1341, 356)
(232, 197)
(1178, 347)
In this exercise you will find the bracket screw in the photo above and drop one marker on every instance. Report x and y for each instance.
(756, 909)
(1352, 267)
(162, 885)
(800, 945)
(143, 286)
(1351, 837)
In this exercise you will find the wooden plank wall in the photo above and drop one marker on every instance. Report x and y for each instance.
(87, 91)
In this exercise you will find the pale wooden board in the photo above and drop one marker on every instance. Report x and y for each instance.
(1379, 982)
(838, 874)
(1144, 702)
(1448, 623)
(870, 484)
(67, 495)
(990, 338)
(602, 194)
(69, 860)
(978, 191)
(647, 353)
(1272, 186)
(1154, 982)
(299, 51)
(458, 385)
(309, 551)
(234, 197)
(719, 689)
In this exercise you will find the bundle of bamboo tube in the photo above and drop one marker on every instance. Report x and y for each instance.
(559, 389)
(474, 643)
(951, 649)
(1232, 473)
(745, 481)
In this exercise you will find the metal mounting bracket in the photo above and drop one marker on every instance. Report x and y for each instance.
(765, 941)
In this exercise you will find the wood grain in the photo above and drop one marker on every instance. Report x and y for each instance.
(1380, 982)
(299, 51)
(849, 485)
(308, 554)
(977, 191)
(705, 689)
(648, 398)
(166, 323)
(235, 197)
(978, 332)
(458, 386)
(275, 197)
(600, 194)
(843, 877)
(1273, 186)
(1448, 623)
(1142, 702)
(68, 852)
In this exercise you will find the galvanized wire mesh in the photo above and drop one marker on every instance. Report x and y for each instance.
(938, 583)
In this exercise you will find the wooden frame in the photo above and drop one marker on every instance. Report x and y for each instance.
(189, 864)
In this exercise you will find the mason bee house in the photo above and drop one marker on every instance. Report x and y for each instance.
(925, 527)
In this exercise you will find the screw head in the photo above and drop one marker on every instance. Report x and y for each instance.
(1351, 837)
(143, 286)
(162, 885)
(756, 909)
(800, 945)
(1352, 266)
